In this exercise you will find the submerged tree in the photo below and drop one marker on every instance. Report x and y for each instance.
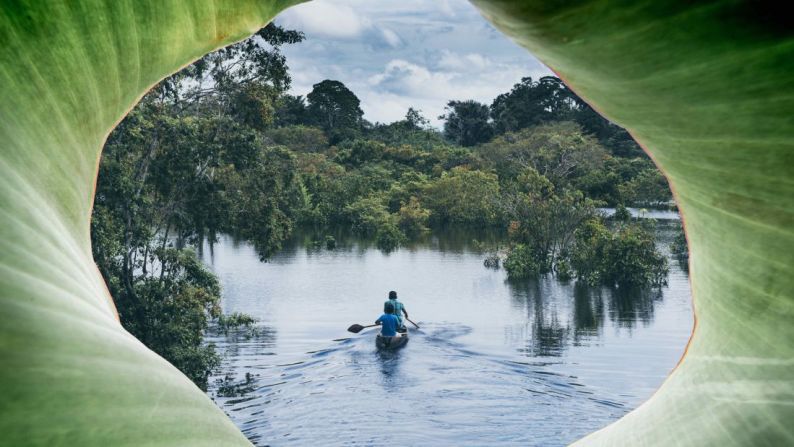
(625, 257)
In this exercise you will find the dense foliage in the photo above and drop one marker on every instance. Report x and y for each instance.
(222, 148)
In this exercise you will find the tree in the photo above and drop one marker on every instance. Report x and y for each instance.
(291, 110)
(335, 109)
(245, 78)
(558, 151)
(531, 103)
(299, 138)
(415, 120)
(358, 151)
(647, 188)
(467, 123)
(542, 229)
(465, 197)
(626, 256)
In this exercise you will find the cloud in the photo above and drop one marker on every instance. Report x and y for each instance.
(399, 54)
(323, 19)
(468, 62)
(391, 37)
(406, 78)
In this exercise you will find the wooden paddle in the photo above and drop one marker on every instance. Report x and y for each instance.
(417, 326)
(356, 328)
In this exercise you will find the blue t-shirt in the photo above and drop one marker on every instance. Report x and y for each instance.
(398, 309)
(389, 325)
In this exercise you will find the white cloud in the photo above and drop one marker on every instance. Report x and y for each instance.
(403, 77)
(391, 37)
(399, 54)
(468, 62)
(324, 19)
(446, 8)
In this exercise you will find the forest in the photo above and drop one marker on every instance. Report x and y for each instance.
(222, 147)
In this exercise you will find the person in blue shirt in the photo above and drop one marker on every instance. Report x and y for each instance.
(388, 322)
(399, 309)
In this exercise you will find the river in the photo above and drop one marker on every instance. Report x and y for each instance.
(495, 362)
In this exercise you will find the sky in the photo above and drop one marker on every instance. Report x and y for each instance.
(395, 54)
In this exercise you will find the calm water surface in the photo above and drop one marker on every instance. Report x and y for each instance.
(495, 362)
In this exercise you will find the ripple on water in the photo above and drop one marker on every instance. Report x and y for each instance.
(346, 392)
(517, 363)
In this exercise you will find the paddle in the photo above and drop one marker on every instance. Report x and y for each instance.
(417, 326)
(356, 328)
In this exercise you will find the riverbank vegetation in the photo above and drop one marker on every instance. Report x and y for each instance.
(221, 147)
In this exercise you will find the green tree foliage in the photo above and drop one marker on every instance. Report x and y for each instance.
(463, 196)
(222, 148)
(188, 162)
(299, 138)
(291, 110)
(368, 214)
(543, 228)
(335, 109)
(531, 103)
(358, 152)
(647, 188)
(467, 123)
(414, 218)
(243, 80)
(626, 257)
(558, 151)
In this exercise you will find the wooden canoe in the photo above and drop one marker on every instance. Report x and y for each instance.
(391, 343)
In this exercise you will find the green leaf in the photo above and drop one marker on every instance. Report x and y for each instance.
(69, 374)
(706, 88)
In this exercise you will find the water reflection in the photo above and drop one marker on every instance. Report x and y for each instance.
(391, 379)
(588, 312)
(535, 362)
(550, 332)
(628, 306)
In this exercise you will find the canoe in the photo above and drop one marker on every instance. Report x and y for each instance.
(391, 343)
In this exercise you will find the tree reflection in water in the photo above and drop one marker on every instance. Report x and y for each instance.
(561, 314)
(588, 312)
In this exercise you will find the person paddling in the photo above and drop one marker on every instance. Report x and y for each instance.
(399, 310)
(388, 321)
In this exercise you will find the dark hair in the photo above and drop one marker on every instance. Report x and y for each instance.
(392, 295)
(388, 308)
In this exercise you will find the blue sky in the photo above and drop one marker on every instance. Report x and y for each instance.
(399, 53)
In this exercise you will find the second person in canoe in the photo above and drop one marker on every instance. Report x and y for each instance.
(399, 310)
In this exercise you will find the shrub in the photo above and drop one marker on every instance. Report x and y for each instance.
(625, 257)
(465, 197)
(413, 218)
(389, 237)
(521, 262)
(299, 138)
(367, 214)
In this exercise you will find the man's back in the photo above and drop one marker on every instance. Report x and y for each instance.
(389, 325)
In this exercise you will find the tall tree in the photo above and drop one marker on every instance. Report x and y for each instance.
(530, 103)
(336, 109)
(244, 80)
(467, 123)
